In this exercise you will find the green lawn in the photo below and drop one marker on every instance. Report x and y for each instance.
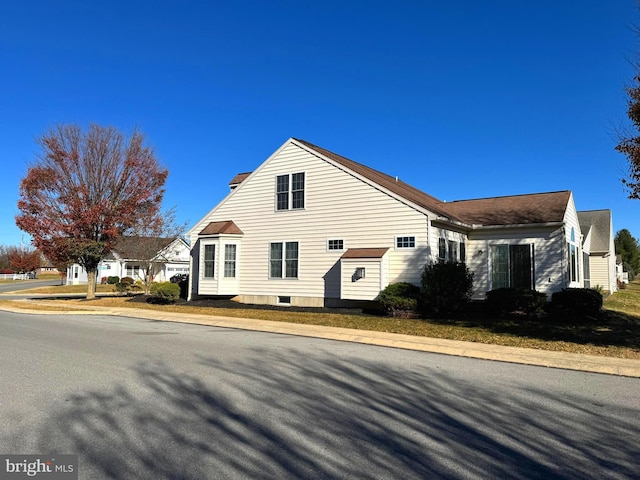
(615, 333)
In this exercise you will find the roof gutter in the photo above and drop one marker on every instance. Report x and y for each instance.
(518, 225)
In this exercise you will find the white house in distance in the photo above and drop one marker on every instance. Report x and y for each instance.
(600, 267)
(309, 227)
(124, 260)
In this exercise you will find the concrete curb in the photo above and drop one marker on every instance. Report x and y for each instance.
(543, 358)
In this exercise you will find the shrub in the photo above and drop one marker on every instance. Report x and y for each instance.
(124, 285)
(164, 292)
(507, 300)
(574, 303)
(445, 288)
(399, 299)
(112, 280)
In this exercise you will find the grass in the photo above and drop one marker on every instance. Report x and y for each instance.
(615, 333)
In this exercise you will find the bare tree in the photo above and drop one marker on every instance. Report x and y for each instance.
(85, 189)
(148, 242)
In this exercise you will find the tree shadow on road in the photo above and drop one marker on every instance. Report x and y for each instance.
(298, 415)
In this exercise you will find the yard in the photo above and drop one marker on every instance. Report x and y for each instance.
(615, 333)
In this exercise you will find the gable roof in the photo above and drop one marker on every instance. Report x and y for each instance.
(599, 221)
(136, 248)
(535, 208)
(225, 227)
(388, 182)
(512, 210)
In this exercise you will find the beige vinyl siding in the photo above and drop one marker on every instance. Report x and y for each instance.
(599, 272)
(366, 288)
(337, 205)
(548, 257)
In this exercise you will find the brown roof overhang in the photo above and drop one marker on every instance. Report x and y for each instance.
(216, 228)
(365, 253)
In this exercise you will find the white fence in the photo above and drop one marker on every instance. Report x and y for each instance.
(17, 276)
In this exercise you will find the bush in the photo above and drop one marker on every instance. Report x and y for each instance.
(112, 280)
(164, 292)
(445, 288)
(399, 299)
(508, 300)
(124, 285)
(575, 303)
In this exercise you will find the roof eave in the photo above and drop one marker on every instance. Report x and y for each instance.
(518, 226)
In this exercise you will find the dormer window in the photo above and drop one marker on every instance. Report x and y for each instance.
(290, 191)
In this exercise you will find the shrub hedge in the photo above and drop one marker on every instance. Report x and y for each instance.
(165, 292)
(502, 301)
(576, 303)
(399, 299)
(446, 288)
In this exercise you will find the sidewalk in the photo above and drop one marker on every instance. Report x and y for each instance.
(544, 358)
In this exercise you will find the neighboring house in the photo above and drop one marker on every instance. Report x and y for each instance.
(47, 269)
(312, 228)
(169, 256)
(598, 245)
(621, 275)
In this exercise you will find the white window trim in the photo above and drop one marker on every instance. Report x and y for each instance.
(284, 260)
(290, 192)
(216, 253)
(235, 260)
(395, 242)
(335, 249)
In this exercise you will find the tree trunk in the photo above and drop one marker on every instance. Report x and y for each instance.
(91, 284)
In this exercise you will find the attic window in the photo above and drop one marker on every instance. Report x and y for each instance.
(290, 191)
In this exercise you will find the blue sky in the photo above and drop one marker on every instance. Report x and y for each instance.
(462, 99)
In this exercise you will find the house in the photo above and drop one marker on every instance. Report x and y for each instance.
(132, 256)
(309, 227)
(598, 245)
(622, 276)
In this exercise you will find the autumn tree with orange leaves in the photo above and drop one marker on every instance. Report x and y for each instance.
(629, 140)
(86, 188)
(24, 260)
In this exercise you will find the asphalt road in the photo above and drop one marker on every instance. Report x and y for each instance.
(18, 285)
(140, 399)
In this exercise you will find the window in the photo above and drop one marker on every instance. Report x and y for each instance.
(511, 266)
(463, 252)
(230, 261)
(335, 244)
(282, 192)
(209, 261)
(297, 190)
(442, 249)
(283, 260)
(133, 271)
(573, 258)
(573, 263)
(453, 251)
(290, 191)
(405, 242)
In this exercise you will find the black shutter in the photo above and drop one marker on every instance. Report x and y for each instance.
(520, 260)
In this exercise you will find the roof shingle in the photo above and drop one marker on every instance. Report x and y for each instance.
(512, 210)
